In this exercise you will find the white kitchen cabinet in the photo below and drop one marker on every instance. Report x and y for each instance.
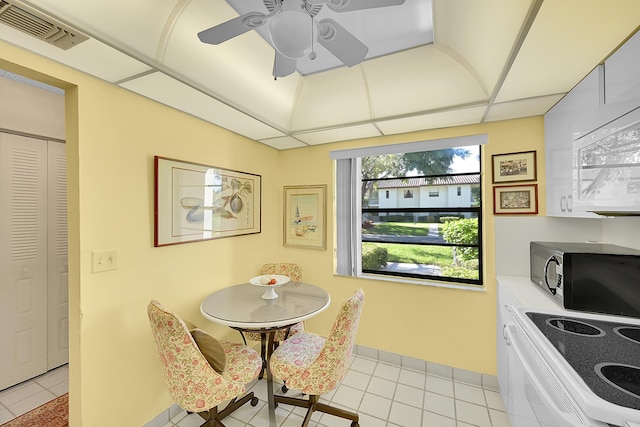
(622, 80)
(607, 174)
(610, 91)
(505, 300)
(568, 120)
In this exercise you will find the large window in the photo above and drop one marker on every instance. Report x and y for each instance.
(434, 237)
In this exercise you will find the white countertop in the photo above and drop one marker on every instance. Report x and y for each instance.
(528, 294)
(531, 296)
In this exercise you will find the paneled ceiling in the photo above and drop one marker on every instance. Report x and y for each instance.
(489, 60)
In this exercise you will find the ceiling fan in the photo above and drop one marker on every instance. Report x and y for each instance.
(293, 29)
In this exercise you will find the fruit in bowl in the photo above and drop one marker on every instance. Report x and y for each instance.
(264, 280)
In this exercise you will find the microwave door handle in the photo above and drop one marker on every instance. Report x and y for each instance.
(546, 278)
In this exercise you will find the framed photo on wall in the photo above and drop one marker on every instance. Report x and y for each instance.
(514, 167)
(515, 199)
(195, 202)
(305, 216)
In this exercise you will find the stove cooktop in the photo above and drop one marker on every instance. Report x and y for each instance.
(606, 355)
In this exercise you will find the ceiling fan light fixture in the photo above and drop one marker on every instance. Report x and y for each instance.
(291, 33)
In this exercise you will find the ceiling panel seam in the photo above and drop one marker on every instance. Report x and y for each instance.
(367, 91)
(168, 27)
(522, 35)
(394, 117)
(453, 54)
(136, 76)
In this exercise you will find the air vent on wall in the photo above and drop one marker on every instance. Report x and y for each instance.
(38, 25)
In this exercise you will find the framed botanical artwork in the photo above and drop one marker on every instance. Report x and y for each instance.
(515, 199)
(305, 216)
(514, 167)
(196, 202)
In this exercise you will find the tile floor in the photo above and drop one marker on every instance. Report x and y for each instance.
(30, 394)
(384, 394)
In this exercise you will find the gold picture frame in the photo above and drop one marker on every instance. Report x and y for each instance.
(514, 167)
(515, 199)
(305, 216)
(195, 202)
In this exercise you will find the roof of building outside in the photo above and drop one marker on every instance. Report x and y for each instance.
(430, 182)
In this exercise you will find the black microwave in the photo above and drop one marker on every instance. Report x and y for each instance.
(591, 277)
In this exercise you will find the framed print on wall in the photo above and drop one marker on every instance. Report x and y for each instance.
(514, 167)
(515, 199)
(305, 216)
(195, 202)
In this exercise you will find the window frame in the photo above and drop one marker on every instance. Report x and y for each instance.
(348, 210)
(477, 210)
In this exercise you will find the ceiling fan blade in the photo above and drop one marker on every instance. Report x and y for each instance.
(341, 43)
(349, 5)
(283, 66)
(232, 28)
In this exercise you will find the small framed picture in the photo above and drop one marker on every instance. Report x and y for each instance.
(515, 199)
(304, 216)
(514, 167)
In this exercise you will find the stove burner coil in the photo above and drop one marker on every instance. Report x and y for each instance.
(625, 378)
(575, 327)
(628, 332)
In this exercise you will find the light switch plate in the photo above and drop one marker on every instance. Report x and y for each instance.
(104, 260)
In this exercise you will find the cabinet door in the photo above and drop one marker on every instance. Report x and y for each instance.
(622, 80)
(23, 258)
(568, 120)
(57, 266)
(505, 300)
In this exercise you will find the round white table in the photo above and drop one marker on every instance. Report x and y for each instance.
(242, 307)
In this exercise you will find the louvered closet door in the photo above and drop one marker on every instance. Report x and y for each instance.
(23, 258)
(58, 283)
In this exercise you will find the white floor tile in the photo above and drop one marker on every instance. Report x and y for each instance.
(412, 378)
(31, 402)
(429, 419)
(5, 416)
(473, 414)
(494, 401)
(469, 393)
(357, 380)
(53, 378)
(23, 391)
(348, 397)
(409, 395)
(60, 388)
(369, 421)
(405, 415)
(376, 406)
(361, 364)
(382, 387)
(388, 372)
(439, 385)
(439, 404)
(499, 418)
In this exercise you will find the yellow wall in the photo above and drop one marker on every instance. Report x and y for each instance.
(112, 136)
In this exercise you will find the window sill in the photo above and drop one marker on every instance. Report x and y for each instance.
(424, 282)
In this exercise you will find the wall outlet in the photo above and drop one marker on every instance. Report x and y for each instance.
(104, 260)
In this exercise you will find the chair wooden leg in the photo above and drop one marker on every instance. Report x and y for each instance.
(313, 405)
(213, 417)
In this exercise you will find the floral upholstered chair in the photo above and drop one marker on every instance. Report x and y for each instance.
(293, 272)
(196, 383)
(316, 365)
